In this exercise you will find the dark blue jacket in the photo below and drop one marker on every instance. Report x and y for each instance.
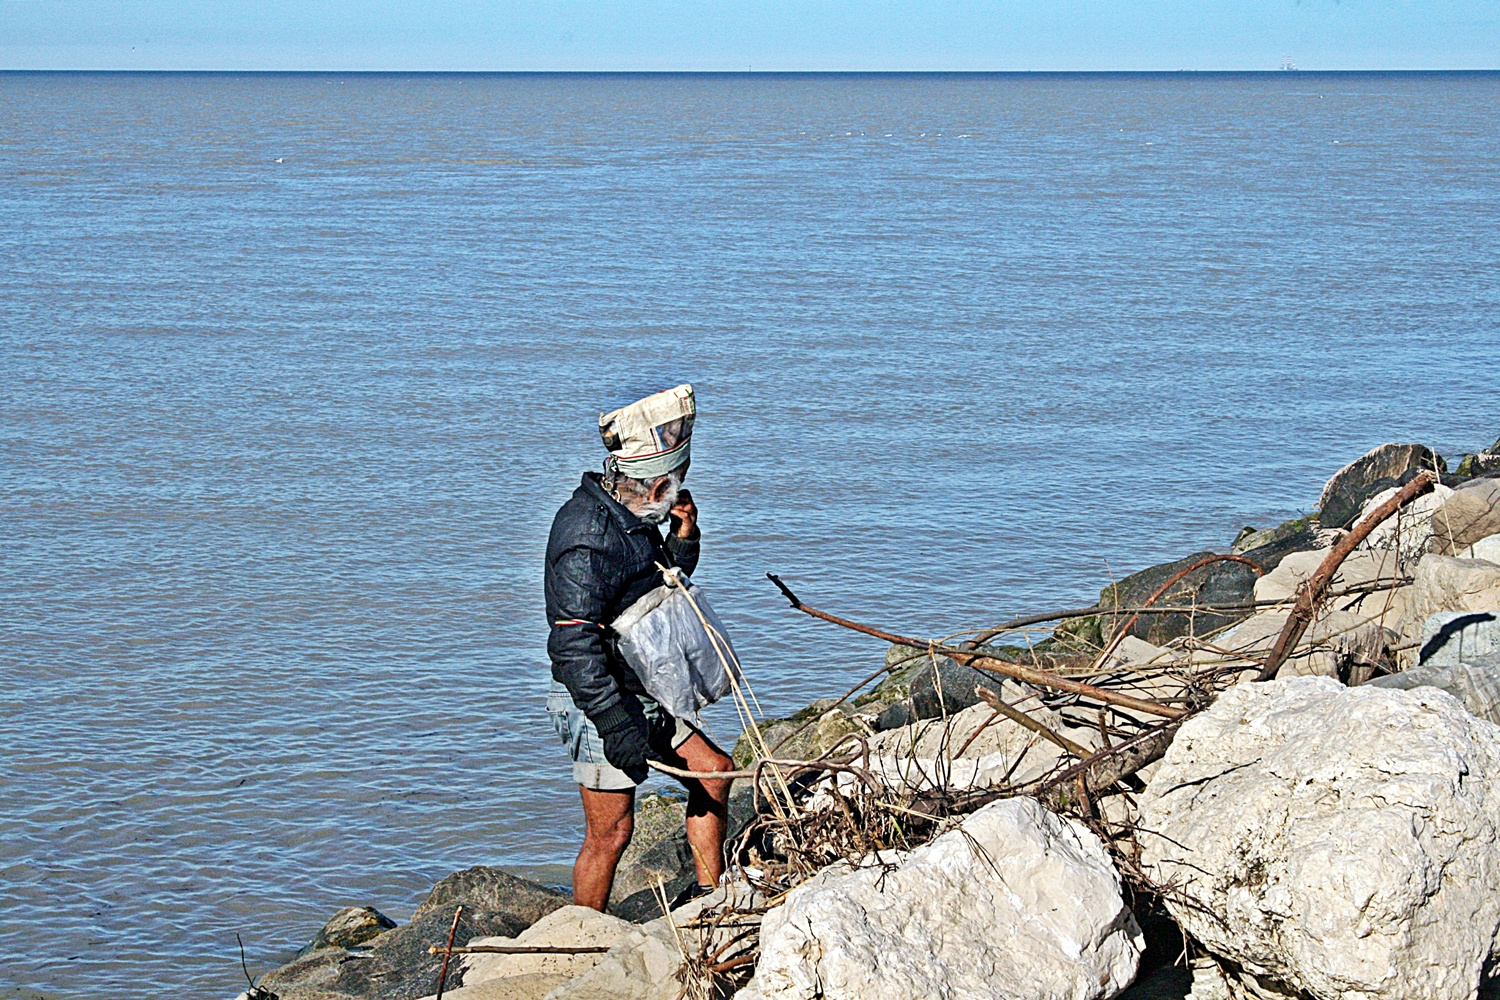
(601, 558)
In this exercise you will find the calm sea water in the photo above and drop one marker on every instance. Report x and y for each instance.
(295, 369)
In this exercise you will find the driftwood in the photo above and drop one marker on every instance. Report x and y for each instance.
(1107, 768)
(1311, 594)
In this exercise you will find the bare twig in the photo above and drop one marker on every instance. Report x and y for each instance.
(458, 911)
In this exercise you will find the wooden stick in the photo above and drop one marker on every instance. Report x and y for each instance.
(517, 949)
(448, 951)
(1314, 590)
(1021, 718)
(989, 664)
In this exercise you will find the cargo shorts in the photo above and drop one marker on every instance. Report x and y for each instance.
(586, 748)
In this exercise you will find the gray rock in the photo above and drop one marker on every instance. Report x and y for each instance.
(1475, 682)
(947, 690)
(1378, 469)
(659, 847)
(1267, 548)
(1452, 637)
(311, 977)
(490, 890)
(349, 928)
(397, 966)
(1220, 584)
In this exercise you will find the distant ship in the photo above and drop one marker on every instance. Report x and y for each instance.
(1288, 66)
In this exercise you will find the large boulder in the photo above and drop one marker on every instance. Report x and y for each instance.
(489, 890)
(1018, 903)
(1222, 584)
(1378, 469)
(1333, 842)
(1470, 513)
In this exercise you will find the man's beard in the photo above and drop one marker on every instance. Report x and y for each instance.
(657, 513)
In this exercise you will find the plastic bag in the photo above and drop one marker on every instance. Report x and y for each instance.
(665, 643)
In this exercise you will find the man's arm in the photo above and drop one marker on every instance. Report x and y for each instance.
(577, 641)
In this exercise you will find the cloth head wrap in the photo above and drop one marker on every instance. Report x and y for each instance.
(650, 437)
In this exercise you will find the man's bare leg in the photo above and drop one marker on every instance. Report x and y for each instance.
(707, 806)
(610, 820)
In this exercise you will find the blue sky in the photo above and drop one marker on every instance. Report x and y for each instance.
(763, 34)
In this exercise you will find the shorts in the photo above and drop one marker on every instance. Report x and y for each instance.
(585, 747)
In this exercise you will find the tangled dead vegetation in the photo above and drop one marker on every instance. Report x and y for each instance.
(1102, 717)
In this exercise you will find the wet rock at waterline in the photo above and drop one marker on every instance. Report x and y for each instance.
(1378, 469)
(395, 965)
(349, 928)
(1224, 585)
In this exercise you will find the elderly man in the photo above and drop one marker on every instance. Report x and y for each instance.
(602, 556)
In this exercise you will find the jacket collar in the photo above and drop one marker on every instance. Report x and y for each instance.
(622, 514)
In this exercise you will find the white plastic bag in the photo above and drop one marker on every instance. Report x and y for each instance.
(665, 643)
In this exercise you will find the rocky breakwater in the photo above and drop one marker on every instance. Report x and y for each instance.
(1263, 771)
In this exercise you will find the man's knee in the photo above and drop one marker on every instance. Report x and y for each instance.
(612, 837)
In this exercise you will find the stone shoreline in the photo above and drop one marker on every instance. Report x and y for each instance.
(1416, 603)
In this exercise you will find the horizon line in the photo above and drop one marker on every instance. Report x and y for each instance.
(753, 72)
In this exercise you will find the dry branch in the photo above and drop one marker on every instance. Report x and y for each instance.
(1311, 594)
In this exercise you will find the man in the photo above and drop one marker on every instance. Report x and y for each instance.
(602, 556)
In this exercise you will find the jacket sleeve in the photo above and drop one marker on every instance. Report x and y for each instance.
(577, 641)
(684, 551)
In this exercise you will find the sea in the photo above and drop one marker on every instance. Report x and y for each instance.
(295, 370)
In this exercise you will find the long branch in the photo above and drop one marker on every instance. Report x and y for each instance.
(1312, 593)
(987, 663)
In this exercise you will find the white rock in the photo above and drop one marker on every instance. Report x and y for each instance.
(571, 926)
(1345, 837)
(1409, 530)
(1449, 583)
(1487, 548)
(1022, 903)
(644, 964)
(1363, 566)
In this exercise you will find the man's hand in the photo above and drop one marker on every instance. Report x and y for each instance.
(624, 735)
(684, 515)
